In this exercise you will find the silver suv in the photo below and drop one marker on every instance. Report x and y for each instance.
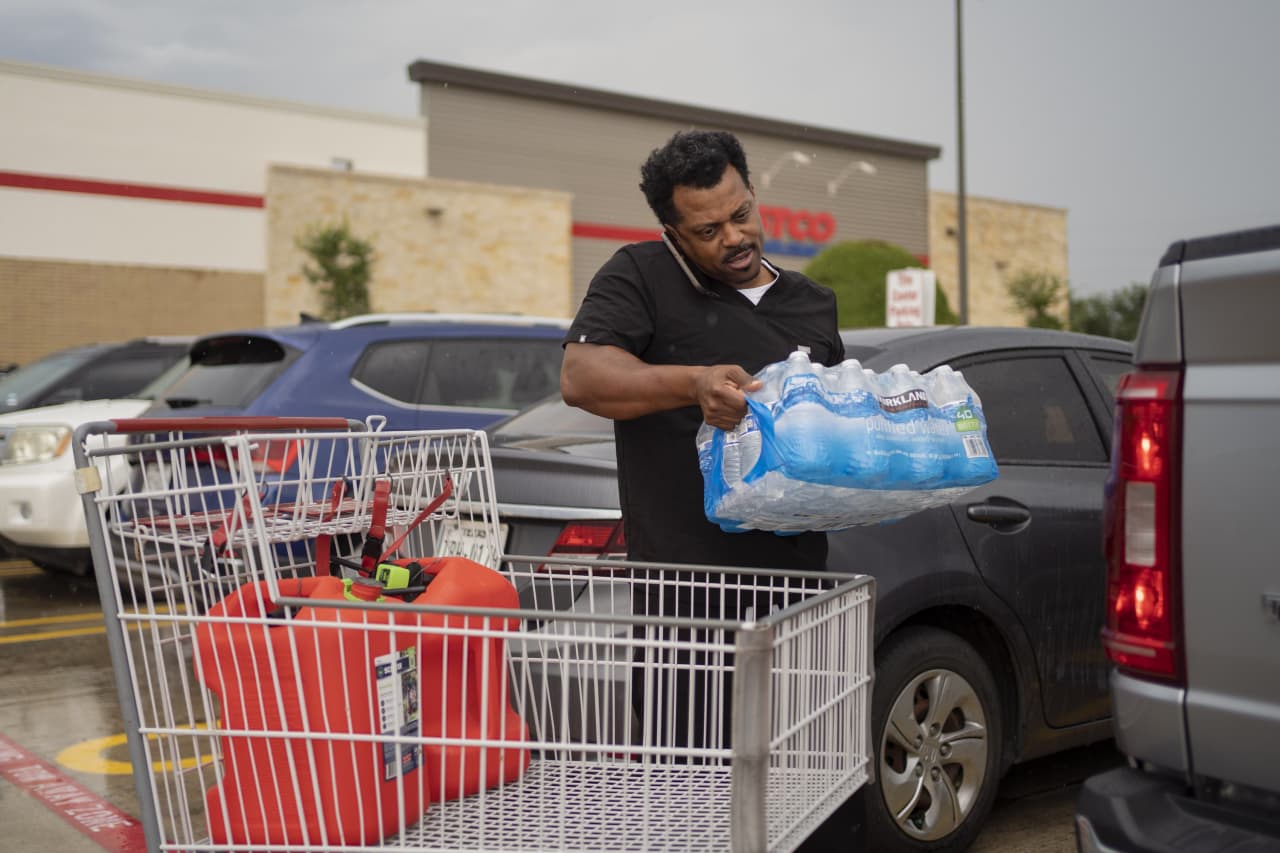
(1193, 550)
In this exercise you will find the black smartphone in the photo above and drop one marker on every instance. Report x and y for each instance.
(684, 264)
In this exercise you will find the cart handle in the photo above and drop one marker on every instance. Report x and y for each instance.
(232, 424)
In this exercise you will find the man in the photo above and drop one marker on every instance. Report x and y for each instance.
(670, 333)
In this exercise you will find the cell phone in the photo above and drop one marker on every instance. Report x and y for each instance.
(684, 264)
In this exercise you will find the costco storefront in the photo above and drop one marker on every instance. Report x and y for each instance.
(140, 208)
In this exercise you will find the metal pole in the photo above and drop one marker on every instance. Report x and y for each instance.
(962, 235)
(88, 483)
(752, 699)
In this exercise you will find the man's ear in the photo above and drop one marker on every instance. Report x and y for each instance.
(673, 234)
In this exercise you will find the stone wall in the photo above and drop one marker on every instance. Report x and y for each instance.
(1005, 238)
(441, 245)
(52, 305)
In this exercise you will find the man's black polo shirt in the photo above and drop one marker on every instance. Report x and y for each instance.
(642, 302)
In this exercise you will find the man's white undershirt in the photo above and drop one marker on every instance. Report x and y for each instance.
(754, 293)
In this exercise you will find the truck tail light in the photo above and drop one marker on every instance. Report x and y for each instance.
(1142, 634)
(592, 539)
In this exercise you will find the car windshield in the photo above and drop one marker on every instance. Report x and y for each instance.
(161, 383)
(26, 382)
(553, 417)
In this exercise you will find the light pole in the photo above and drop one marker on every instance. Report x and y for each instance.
(856, 166)
(798, 157)
(962, 234)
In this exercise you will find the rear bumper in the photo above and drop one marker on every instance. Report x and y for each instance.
(1129, 811)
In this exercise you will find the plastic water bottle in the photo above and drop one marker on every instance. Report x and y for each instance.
(969, 455)
(850, 378)
(802, 425)
(770, 384)
(731, 461)
(749, 443)
(910, 435)
(947, 387)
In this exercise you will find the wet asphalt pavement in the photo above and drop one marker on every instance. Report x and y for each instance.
(65, 783)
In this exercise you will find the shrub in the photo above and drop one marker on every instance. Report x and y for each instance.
(341, 265)
(856, 271)
(1037, 295)
(1115, 315)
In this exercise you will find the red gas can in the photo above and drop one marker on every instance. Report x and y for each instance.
(465, 681)
(330, 672)
(324, 674)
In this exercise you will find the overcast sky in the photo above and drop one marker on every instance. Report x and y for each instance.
(1148, 120)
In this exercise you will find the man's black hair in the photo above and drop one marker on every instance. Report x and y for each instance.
(691, 158)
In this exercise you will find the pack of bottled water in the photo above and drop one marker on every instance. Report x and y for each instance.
(824, 448)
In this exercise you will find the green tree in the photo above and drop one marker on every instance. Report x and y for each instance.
(856, 271)
(1114, 315)
(340, 265)
(1036, 294)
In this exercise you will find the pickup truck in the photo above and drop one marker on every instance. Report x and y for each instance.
(1193, 553)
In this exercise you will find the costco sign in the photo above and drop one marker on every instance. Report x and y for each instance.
(785, 223)
(796, 232)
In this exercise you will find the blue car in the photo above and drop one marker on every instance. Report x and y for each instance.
(419, 371)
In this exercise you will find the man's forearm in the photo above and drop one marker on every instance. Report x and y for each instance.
(612, 383)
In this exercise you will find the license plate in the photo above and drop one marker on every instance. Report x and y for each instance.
(471, 539)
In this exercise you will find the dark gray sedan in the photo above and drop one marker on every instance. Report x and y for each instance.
(987, 611)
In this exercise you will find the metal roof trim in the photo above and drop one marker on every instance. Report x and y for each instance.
(424, 71)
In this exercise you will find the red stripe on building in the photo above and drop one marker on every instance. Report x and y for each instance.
(620, 233)
(154, 192)
(28, 181)
(93, 816)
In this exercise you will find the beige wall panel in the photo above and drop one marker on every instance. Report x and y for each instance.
(1005, 238)
(51, 305)
(440, 245)
(595, 154)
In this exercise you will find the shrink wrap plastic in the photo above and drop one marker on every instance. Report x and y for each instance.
(825, 448)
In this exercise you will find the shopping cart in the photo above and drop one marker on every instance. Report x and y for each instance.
(319, 646)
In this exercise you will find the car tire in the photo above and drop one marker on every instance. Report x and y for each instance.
(936, 730)
(81, 569)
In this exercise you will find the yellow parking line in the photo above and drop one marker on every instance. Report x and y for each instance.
(50, 620)
(10, 564)
(52, 635)
(87, 756)
(36, 636)
(19, 572)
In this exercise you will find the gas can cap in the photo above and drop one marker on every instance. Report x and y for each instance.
(364, 589)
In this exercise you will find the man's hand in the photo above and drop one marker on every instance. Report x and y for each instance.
(721, 394)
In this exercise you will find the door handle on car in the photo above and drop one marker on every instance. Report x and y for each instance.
(999, 515)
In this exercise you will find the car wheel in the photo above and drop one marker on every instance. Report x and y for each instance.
(936, 728)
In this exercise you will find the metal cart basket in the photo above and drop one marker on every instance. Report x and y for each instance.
(319, 646)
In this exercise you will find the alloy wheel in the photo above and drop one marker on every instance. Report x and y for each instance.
(933, 754)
